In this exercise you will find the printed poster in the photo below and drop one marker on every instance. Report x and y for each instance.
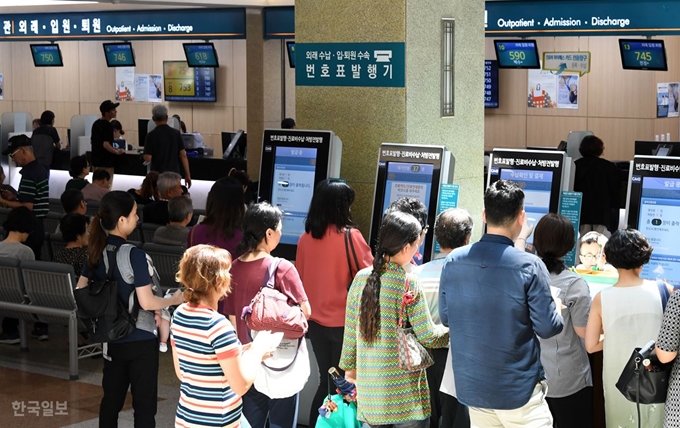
(667, 99)
(567, 91)
(155, 87)
(542, 89)
(2, 87)
(125, 84)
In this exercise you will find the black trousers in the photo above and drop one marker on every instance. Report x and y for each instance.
(36, 239)
(573, 411)
(133, 365)
(447, 412)
(327, 346)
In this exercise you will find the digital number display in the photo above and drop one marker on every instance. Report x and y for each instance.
(643, 54)
(490, 84)
(119, 55)
(290, 47)
(201, 54)
(184, 83)
(517, 54)
(46, 55)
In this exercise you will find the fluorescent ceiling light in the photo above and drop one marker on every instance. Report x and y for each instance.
(13, 3)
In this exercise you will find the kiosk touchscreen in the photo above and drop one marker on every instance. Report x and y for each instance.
(293, 162)
(653, 204)
(543, 175)
(407, 170)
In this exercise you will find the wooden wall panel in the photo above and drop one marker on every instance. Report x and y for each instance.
(213, 120)
(27, 81)
(548, 131)
(97, 81)
(6, 105)
(619, 135)
(664, 126)
(240, 73)
(34, 107)
(505, 131)
(63, 112)
(225, 74)
(241, 118)
(143, 56)
(62, 84)
(6, 70)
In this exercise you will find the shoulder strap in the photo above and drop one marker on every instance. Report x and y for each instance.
(270, 274)
(348, 239)
(111, 267)
(403, 303)
(351, 246)
(663, 291)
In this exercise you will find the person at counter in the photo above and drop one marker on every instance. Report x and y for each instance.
(164, 148)
(288, 123)
(169, 186)
(78, 169)
(45, 140)
(103, 152)
(100, 186)
(118, 135)
(47, 128)
(148, 193)
(6, 187)
(36, 123)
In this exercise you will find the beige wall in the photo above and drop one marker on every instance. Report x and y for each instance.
(617, 105)
(85, 81)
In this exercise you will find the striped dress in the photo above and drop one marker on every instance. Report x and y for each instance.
(201, 337)
(387, 394)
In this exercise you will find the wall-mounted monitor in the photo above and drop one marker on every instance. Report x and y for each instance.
(119, 54)
(657, 148)
(290, 47)
(190, 84)
(201, 55)
(47, 55)
(640, 54)
(517, 54)
(490, 84)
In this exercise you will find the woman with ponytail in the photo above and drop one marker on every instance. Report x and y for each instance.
(564, 357)
(386, 394)
(274, 395)
(132, 361)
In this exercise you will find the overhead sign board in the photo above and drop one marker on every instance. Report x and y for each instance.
(559, 62)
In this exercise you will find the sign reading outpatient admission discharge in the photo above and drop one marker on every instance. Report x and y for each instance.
(350, 64)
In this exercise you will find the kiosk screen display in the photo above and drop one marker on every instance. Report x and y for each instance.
(490, 84)
(119, 55)
(517, 54)
(537, 191)
(290, 47)
(408, 180)
(637, 54)
(293, 187)
(192, 84)
(201, 54)
(46, 55)
(658, 221)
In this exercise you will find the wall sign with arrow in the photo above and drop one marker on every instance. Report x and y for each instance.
(559, 62)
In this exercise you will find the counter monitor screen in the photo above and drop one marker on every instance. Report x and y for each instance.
(491, 84)
(537, 186)
(659, 214)
(47, 55)
(290, 47)
(640, 54)
(184, 83)
(201, 55)
(517, 54)
(119, 54)
(293, 187)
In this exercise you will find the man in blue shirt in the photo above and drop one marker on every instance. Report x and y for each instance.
(496, 300)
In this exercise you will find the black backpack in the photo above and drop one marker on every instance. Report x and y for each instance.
(101, 311)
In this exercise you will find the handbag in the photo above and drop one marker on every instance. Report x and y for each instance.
(637, 383)
(349, 244)
(269, 309)
(412, 355)
(336, 412)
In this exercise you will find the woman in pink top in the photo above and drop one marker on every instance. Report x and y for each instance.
(261, 234)
(326, 272)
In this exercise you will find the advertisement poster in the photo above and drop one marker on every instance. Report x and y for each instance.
(125, 83)
(567, 91)
(542, 89)
(155, 87)
(2, 87)
(667, 99)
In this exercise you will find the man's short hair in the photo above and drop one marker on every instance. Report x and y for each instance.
(288, 123)
(452, 228)
(159, 112)
(410, 206)
(503, 202)
(167, 181)
(101, 174)
(47, 117)
(179, 208)
(71, 200)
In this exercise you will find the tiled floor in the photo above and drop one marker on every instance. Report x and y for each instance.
(41, 375)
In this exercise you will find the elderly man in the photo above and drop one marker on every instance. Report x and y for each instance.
(169, 186)
(164, 148)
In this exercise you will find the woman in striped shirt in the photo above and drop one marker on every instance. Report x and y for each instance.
(213, 367)
(386, 394)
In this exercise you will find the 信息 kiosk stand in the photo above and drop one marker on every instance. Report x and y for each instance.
(414, 171)
(293, 162)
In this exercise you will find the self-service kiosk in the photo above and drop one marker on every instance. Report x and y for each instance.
(406, 170)
(653, 208)
(293, 162)
(543, 175)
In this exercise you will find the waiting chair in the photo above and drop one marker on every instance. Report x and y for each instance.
(92, 207)
(51, 222)
(148, 230)
(57, 243)
(55, 206)
(166, 261)
(46, 250)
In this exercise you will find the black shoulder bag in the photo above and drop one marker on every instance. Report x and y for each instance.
(349, 244)
(101, 310)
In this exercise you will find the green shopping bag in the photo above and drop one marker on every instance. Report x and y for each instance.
(344, 417)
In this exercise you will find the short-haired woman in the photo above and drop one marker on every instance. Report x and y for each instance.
(78, 169)
(564, 357)
(387, 394)
(627, 315)
(148, 192)
(76, 233)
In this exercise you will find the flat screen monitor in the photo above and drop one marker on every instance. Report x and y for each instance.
(232, 144)
(517, 54)
(190, 84)
(47, 55)
(290, 47)
(537, 187)
(119, 54)
(657, 148)
(201, 55)
(490, 83)
(640, 54)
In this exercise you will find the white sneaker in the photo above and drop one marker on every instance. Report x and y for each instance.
(163, 347)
